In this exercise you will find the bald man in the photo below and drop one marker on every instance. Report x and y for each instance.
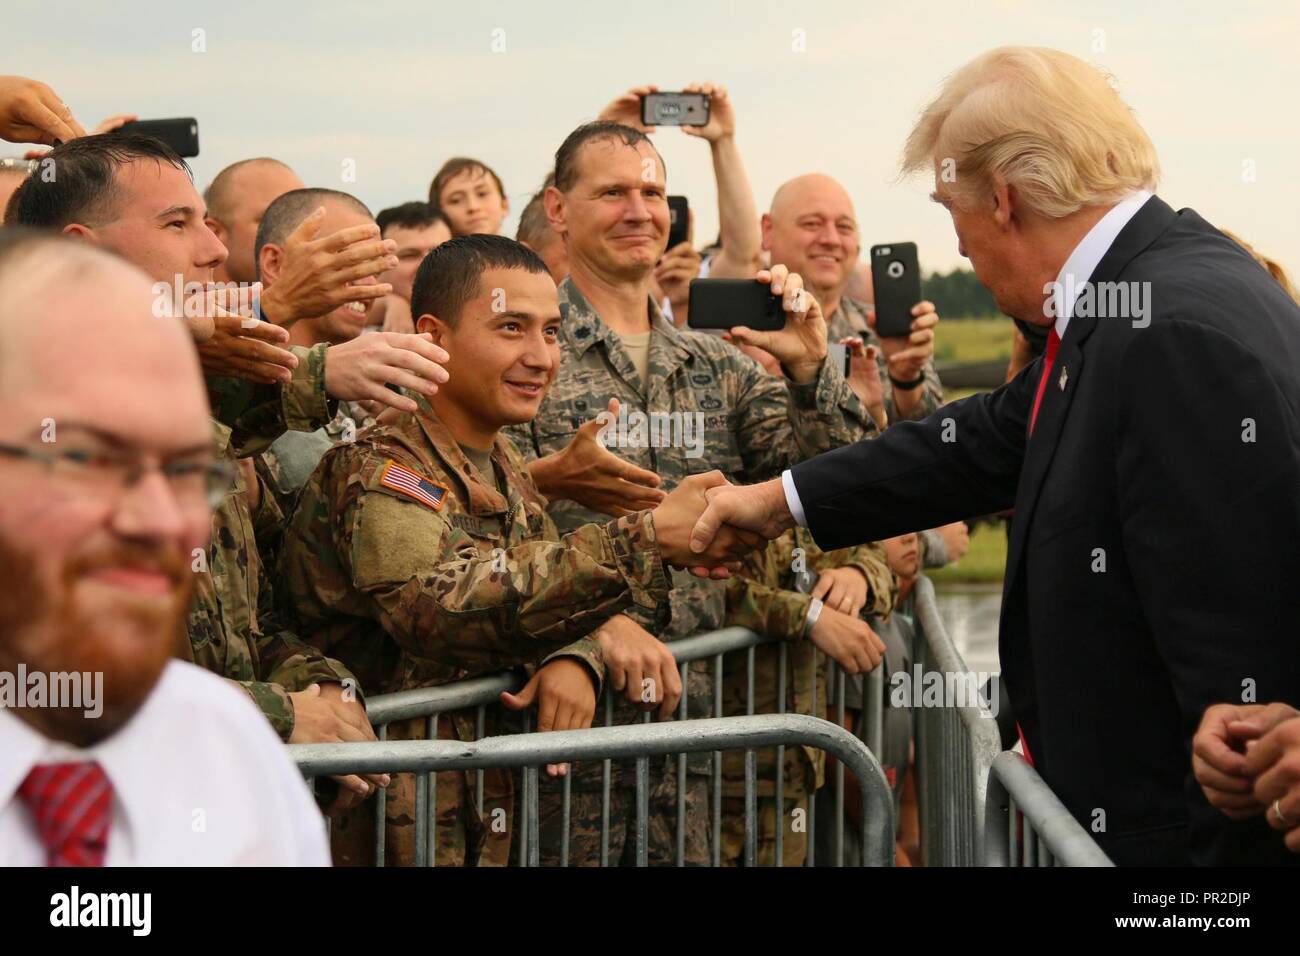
(107, 480)
(236, 200)
(813, 230)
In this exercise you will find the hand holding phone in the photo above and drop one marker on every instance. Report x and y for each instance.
(896, 278)
(675, 109)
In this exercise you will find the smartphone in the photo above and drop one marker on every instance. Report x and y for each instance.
(897, 281)
(679, 220)
(726, 303)
(839, 355)
(182, 135)
(675, 109)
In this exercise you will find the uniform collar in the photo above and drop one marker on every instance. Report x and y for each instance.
(483, 498)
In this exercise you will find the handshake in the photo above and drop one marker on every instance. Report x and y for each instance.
(707, 524)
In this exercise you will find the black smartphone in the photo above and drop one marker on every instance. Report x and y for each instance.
(675, 109)
(679, 220)
(897, 281)
(726, 303)
(181, 135)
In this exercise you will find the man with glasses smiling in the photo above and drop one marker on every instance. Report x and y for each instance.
(107, 482)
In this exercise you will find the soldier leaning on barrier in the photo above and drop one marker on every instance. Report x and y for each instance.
(133, 195)
(765, 598)
(609, 202)
(422, 552)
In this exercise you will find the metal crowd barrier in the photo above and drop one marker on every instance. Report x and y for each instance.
(530, 751)
(1026, 825)
(482, 692)
(955, 749)
(956, 745)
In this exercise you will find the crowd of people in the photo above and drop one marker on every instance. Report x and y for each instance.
(263, 442)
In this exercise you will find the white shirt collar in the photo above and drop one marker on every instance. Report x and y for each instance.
(1083, 261)
(120, 755)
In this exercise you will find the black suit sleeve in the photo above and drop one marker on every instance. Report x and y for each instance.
(963, 460)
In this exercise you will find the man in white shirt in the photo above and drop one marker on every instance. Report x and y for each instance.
(111, 752)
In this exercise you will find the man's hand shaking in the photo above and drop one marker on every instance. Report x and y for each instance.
(675, 521)
(758, 510)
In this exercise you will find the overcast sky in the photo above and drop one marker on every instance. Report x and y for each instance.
(398, 86)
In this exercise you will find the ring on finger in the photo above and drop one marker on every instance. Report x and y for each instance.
(1277, 812)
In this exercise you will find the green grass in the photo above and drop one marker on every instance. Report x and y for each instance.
(972, 340)
(984, 562)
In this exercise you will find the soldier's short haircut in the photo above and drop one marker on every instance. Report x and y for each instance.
(453, 168)
(534, 226)
(409, 215)
(84, 186)
(566, 157)
(286, 213)
(220, 191)
(449, 276)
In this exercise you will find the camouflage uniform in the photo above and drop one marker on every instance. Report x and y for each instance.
(420, 583)
(764, 599)
(850, 318)
(232, 626)
(754, 425)
(285, 467)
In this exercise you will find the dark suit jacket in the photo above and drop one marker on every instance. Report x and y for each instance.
(1154, 562)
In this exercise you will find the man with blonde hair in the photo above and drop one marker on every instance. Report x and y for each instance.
(1152, 456)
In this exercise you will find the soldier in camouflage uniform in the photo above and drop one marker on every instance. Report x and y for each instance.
(750, 425)
(423, 560)
(812, 229)
(766, 598)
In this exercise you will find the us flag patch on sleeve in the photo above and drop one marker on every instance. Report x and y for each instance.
(412, 484)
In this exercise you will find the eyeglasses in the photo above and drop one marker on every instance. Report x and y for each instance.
(194, 483)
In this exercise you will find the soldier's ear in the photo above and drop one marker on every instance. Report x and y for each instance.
(433, 325)
(269, 261)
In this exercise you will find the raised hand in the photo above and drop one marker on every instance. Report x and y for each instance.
(800, 345)
(317, 275)
(31, 112)
(626, 109)
(361, 369)
(232, 342)
(587, 472)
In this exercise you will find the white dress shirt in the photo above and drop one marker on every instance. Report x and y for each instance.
(1077, 270)
(199, 779)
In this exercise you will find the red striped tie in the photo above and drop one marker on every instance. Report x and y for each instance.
(1053, 343)
(71, 804)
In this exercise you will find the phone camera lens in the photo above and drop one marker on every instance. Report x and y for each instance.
(894, 270)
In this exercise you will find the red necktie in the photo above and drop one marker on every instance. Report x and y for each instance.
(1053, 343)
(71, 804)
